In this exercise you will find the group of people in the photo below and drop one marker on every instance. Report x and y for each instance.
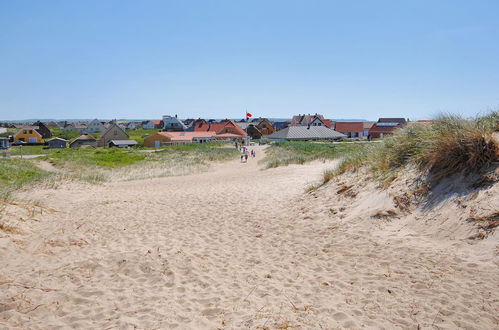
(245, 153)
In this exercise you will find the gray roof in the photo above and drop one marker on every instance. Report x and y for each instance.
(123, 142)
(84, 137)
(243, 125)
(57, 138)
(392, 120)
(306, 133)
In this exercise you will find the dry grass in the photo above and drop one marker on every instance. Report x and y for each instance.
(487, 223)
(109, 165)
(449, 145)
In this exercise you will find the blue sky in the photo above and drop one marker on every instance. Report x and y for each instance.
(215, 59)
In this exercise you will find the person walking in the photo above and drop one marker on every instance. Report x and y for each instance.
(246, 155)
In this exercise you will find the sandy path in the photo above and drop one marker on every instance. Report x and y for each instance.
(233, 248)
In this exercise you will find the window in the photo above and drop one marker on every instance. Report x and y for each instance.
(30, 131)
(25, 132)
(115, 132)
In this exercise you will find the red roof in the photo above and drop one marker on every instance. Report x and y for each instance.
(349, 126)
(186, 136)
(225, 126)
(327, 122)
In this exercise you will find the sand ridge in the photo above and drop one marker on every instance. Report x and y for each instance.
(235, 247)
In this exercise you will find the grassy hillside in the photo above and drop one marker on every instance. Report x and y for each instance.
(449, 145)
(111, 164)
(300, 152)
(16, 172)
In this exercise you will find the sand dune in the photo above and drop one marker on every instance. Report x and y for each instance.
(237, 247)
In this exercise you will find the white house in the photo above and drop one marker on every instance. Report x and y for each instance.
(174, 124)
(152, 124)
(131, 125)
(95, 126)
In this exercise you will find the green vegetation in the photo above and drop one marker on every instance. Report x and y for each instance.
(112, 164)
(9, 132)
(449, 145)
(106, 157)
(30, 150)
(16, 172)
(67, 135)
(300, 152)
(203, 151)
(139, 134)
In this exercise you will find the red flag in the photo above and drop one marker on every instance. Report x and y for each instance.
(248, 115)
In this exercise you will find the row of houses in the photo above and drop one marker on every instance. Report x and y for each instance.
(302, 126)
(97, 126)
(172, 131)
(40, 134)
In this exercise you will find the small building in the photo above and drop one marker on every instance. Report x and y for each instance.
(253, 131)
(312, 120)
(278, 125)
(85, 140)
(78, 127)
(159, 139)
(52, 124)
(131, 125)
(367, 127)
(225, 126)
(57, 143)
(265, 127)
(297, 133)
(28, 134)
(95, 126)
(386, 127)
(352, 129)
(156, 140)
(173, 124)
(122, 143)
(113, 132)
(153, 124)
(4, 143)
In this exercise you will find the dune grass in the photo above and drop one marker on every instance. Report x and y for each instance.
(30, 150)
(17, 172)
(300, 152)
(203, 151)
(111, 164)
(92, 156)
(449, 145)
(138, 134)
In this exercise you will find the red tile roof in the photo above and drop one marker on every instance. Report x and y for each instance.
(327, 122)
(225, 126)
(186, 136)
(345, 127)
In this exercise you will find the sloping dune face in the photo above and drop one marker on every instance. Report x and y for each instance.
(241, 247)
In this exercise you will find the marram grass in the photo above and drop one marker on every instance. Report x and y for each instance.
(448, 145)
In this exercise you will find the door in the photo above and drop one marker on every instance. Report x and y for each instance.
(157, 144)
(32, 140)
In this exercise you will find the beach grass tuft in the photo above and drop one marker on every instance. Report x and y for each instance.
(301, 152)
(448, 145)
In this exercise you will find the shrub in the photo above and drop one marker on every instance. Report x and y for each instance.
(449, 145)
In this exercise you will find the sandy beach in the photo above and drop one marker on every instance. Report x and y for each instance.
(238, 247)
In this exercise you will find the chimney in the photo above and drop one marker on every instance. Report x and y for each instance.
(175, 115)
